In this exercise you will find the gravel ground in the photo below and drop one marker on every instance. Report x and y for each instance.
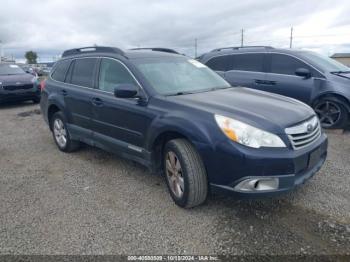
(92, 202)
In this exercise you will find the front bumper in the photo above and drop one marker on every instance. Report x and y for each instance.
(19, 95)
(232, 163)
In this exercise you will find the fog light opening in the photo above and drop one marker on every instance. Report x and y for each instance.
(258, 184)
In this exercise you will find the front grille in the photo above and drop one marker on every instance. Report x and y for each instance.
(17, 87)
(305, 133)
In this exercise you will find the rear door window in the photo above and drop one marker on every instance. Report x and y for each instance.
(286, 65)
(247, 62)
(60, 71)
(83, 72)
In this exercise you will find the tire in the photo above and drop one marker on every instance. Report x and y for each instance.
(69, 145)
(332, 113)
(193, 175)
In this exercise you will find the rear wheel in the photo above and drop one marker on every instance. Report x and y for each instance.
(332, 113)
(185, 174)
(61, 135)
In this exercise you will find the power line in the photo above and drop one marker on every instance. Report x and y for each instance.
(195, 47)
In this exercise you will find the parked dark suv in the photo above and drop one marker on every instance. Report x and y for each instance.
(179, 118)
(16, 84)
(318, 81)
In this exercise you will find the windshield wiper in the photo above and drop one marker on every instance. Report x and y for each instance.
(198, 91)
(180, 93)
(339, 72)
(219, 87)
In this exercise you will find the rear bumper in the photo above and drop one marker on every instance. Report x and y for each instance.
(231, 164)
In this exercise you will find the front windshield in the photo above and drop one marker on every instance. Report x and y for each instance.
(9, 69)
(325, 63)
(170, 76)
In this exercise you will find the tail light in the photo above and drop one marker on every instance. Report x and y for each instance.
(42, 85)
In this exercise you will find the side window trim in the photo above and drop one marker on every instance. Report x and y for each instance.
(68, 76)
(96, 76)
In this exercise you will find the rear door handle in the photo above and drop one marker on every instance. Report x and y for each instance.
(97, 101)
(64, 92)
(259, 82)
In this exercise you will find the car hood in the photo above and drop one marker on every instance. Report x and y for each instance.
(264, 110)
(16, 79)
(342, 78)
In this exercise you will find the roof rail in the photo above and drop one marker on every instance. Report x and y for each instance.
(92, 49)
(159, 49)
(241, 47)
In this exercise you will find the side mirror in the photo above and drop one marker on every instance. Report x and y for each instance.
(125, 91)
(303, 72)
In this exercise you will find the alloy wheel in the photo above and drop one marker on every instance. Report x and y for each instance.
(60, 132)
(174, 174)
(328, 112)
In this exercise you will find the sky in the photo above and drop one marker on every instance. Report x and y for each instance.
(49, 27)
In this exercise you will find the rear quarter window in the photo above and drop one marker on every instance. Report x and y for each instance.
(59, 73)
(219, 63)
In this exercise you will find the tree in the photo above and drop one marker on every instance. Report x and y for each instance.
(31, 57)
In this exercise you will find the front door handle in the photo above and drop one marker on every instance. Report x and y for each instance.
(97, 101)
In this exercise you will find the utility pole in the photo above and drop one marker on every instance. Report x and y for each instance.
(0, 50)
(242, 37)
(291, 38)
(195, 47)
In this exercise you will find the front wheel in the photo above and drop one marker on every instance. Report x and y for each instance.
(185, 174)
(332, 113)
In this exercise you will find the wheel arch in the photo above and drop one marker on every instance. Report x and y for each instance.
(52, 109)
(157, 143)
(334, 97)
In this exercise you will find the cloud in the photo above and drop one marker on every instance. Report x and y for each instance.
(49, 27)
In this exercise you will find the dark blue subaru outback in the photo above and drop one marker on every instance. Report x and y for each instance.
(179, 118)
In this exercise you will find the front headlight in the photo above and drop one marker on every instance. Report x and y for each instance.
(247, 135)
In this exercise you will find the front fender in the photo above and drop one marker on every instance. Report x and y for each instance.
(195, 131)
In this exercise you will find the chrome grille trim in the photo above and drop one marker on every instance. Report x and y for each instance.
(300, 136)
(17, 87)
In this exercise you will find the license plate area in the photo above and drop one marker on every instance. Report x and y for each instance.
(314, 157)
